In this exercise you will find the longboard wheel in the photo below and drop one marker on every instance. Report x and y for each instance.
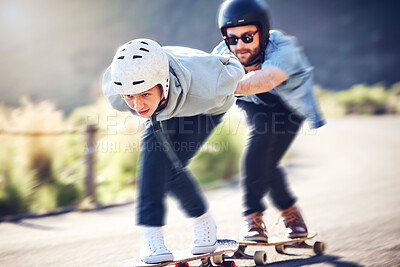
(319, 248)
(218, 259)
(280, 249)
(182, 264)
(228, 264)
(260, 258)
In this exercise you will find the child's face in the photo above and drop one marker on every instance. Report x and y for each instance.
(146, 103)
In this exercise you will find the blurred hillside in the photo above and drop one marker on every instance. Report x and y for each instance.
(57, 50)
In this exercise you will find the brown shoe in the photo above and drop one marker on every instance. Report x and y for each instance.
(294, 223)
(254, 228)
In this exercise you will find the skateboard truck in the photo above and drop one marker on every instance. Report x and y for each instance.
(220, 261)
(318, 247)
(217, 260)
(259, 257)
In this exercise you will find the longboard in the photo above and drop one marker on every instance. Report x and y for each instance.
(182, 258)
(260, 257)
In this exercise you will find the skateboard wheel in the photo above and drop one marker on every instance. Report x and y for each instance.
(319, 248)
(260, 258)
(228, 264)
(280, 249)
(218, 259)
(183, 264)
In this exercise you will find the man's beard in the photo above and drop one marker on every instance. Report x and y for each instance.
(252, 59)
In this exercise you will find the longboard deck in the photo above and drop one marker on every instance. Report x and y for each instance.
(276, 242)
(225, 246)
(260, 257)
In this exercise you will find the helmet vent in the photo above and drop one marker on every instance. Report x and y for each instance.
(118, 83)
(121, 57)
(144, 43)
(144, 49)
(122, 50)
(136, 56)
(138, 82)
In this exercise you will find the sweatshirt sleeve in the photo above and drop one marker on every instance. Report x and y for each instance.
(230, 74)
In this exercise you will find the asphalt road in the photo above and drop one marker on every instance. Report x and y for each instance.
(346, 176)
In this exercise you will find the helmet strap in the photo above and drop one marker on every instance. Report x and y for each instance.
(161, 105)
(163, 102)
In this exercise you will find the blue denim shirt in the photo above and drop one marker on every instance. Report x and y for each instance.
(297, 92)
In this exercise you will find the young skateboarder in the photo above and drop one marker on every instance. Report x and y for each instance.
(183, 93)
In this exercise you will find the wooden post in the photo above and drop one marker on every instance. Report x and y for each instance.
(90, 159)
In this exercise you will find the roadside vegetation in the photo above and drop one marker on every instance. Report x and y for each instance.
(361, 100)
(42, 164)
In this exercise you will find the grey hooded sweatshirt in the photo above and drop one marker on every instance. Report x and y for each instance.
(200, 83)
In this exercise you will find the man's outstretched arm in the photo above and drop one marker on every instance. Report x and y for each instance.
(261, 81)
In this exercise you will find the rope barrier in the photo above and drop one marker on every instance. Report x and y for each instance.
(34, 134)
(70, 132)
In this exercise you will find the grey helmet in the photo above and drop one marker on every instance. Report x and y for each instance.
(138, 66)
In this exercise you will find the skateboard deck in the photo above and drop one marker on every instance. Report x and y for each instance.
(181, 258)
(260, 257)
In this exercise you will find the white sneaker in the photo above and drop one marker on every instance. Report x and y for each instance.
(204, 234)
(154, 249)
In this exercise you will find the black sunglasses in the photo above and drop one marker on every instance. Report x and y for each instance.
(246, 38)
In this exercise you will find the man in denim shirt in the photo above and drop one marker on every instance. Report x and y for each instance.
(277, 95)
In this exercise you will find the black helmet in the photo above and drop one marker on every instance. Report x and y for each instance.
(233, 13)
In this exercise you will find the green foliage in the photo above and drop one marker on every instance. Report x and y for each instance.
(39, 173)
(364, 100)
(219, 157)
(394, 99)
(361, 100)
(11, 199)
(67, 194)
(31, 177)
(116, 151)
(117, 169)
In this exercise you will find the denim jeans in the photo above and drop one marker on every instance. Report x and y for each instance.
(272, 127)
(157, 176)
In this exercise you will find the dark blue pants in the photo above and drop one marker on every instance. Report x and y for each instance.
(157, 176)
(272, 130)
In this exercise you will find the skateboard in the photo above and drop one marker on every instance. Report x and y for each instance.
(182, 258)
(260, 257)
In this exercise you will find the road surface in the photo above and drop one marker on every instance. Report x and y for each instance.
(346, 176)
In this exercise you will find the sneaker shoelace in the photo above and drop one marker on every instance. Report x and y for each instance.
(257, 222)
(156, 243)
(202, 231)
(292, 216)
